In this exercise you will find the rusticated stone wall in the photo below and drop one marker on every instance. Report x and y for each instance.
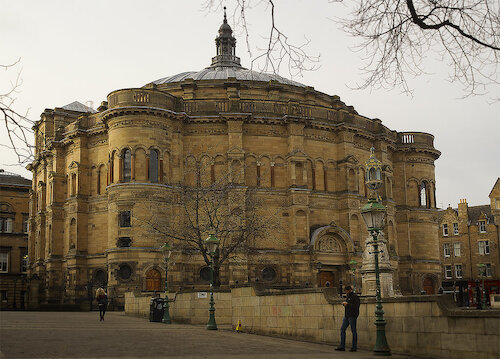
(429, 326)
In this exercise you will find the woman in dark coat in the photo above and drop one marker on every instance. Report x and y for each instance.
(102, 300)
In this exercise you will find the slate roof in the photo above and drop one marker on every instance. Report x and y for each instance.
(78, 107)
(8, 178)
(474, 212)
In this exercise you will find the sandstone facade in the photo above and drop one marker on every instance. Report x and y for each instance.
(289, 142)
(14, 203)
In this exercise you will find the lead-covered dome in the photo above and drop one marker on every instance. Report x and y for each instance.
(226, 64)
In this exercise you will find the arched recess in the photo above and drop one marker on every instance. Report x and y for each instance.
(423, 194)
(102, 179)
(153, 280)
(236, 172)
(301, 227)
(94, 181)
(299, 173)
(250, 171)
(362, 185)
(280, 180)
(355, 230)
(205, 172)
(412, 193)
(330, 177)
(265, 172)
(190, 176)
(391, 234)
(126, 165)
(352, 185)
(72, 233)
(220, 169)
(116, 163)
(429, 283)
(332, 229)
(388, 187)
(165, 168)
(309, 170)
(154, 166)
(141, 165)
(319, 176)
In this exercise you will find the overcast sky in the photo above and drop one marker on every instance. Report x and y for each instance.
(82, 50)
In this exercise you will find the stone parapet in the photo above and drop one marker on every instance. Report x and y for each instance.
(429, 325)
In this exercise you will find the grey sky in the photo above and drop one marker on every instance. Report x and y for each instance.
(82, 50)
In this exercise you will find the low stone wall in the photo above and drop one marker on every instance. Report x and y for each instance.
(429, 326)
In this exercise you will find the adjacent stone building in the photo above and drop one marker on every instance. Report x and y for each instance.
(98, 174)
(469, 237)
(14, 203)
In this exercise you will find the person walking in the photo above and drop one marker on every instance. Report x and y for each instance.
(351, 315)
(102, 300)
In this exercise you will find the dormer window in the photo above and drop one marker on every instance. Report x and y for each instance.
(482, 226)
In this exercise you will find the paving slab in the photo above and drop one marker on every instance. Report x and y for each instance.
(81, 335)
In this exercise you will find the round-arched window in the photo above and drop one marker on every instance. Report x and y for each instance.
(268, 274)
(205, 274)
(124, 271)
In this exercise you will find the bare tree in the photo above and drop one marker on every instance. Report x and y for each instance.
(200, 206)
(17, 125)
(396, 36)
(399, 35)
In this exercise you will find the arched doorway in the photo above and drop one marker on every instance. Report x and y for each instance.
(428, 285)
(153, 280)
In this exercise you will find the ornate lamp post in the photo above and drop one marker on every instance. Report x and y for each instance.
(482, 272)
(373, 214)
(166, 249)
(352, 265)
(212, 243)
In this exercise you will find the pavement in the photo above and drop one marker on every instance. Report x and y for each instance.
(82, 335)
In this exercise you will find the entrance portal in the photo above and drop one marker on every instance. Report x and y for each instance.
(326, 279)
(428, 285)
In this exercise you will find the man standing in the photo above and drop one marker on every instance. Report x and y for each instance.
(351, 315)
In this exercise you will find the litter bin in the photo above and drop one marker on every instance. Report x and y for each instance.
(156, 309)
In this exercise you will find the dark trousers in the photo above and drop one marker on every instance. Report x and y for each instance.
(349, 321)
(102, 310)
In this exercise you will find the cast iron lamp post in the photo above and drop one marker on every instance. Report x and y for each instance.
(212, 243)
(352, 264)
(373, 214)
(482, 272)
(167, 251)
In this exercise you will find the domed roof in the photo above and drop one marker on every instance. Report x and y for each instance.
(226, 64)
(225, 72)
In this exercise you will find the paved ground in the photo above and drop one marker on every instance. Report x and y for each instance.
(81, 335)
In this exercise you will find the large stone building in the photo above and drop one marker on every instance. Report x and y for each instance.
(469, 237)
(14, 203)
(98, 174)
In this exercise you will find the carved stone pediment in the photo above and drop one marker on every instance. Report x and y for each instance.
(73, 165)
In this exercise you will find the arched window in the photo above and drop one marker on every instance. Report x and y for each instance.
(153, 166)
(423, 199)
(127, 165)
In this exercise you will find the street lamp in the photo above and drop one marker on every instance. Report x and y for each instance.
(373, 214)
(211, 244)
(482, 272)
(352, 264)
(166, 249)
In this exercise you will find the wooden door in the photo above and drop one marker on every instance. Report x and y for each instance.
(428, 285)
(153, 280)
(326, 279)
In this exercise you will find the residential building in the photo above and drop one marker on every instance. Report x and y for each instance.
(14, 204)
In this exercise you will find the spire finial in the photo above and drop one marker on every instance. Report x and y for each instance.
(225, 18)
